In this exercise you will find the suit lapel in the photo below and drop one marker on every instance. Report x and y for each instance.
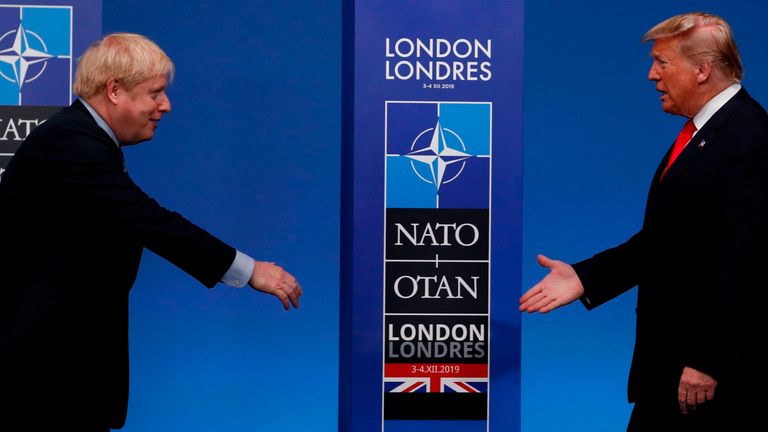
(81, 110)
(703, 140)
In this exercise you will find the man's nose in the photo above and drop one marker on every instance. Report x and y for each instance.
(652, 74)
(165, 105)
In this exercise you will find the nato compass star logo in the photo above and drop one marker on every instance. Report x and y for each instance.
(27, 62)
(35, 55)
(438, 154)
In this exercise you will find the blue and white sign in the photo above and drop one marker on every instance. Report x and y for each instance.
(431, 219)
(39, 44)
(438, 153)
(35, 55)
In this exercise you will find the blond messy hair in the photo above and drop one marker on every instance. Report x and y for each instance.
(706, 38)
(127, 57)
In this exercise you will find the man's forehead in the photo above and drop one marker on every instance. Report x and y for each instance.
(664, 45)
(155, 81)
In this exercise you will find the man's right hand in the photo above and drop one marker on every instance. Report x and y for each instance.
(559, 288)
(270, 278)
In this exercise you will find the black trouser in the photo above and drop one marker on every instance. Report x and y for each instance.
(15, 423)
(651, 417)
(732, 410)
(22, 413)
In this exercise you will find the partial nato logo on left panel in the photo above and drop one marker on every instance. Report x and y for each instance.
(36, 67)
(35, 55)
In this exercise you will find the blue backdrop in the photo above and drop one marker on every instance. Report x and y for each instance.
(251, 152)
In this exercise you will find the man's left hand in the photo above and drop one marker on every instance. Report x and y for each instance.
(695, 388)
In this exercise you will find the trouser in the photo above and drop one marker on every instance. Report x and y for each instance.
(729, 411)
(27, 414)
(652, 417)
(27, 424)
(42, 422)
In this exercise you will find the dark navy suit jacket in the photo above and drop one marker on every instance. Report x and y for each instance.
(74, 225)
(699, 261)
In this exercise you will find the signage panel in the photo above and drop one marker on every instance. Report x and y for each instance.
(431, 218)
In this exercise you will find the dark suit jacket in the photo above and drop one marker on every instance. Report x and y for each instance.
(698, 260)
(73, 229)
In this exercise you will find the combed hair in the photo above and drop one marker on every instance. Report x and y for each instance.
(127, 57)
(709, 38)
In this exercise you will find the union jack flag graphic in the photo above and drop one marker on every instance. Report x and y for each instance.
(406, 385)
(468, 385)
(435, 378)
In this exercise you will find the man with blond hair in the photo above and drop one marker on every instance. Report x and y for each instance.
(78, 228)
(697, 259)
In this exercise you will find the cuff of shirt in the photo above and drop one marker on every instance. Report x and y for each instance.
(240, 271)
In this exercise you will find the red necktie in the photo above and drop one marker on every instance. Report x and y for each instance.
(682, 139)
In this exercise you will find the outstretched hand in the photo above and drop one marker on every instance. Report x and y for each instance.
(270, 278)
(559, 288)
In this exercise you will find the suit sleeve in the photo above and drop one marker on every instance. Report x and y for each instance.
(611, 272)
(91, 171)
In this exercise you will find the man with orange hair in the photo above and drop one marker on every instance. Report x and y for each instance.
(78, 228)
(697, 259)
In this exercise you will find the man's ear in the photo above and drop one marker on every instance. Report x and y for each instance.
(114, 89)
(703, 72)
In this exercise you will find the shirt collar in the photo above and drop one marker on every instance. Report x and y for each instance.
(100, 121)
(710, 108)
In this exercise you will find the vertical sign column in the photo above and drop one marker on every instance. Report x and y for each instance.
(431, 219)
(437, 239)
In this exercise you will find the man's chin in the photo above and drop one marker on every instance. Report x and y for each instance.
(668, 109)
(137, 140)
